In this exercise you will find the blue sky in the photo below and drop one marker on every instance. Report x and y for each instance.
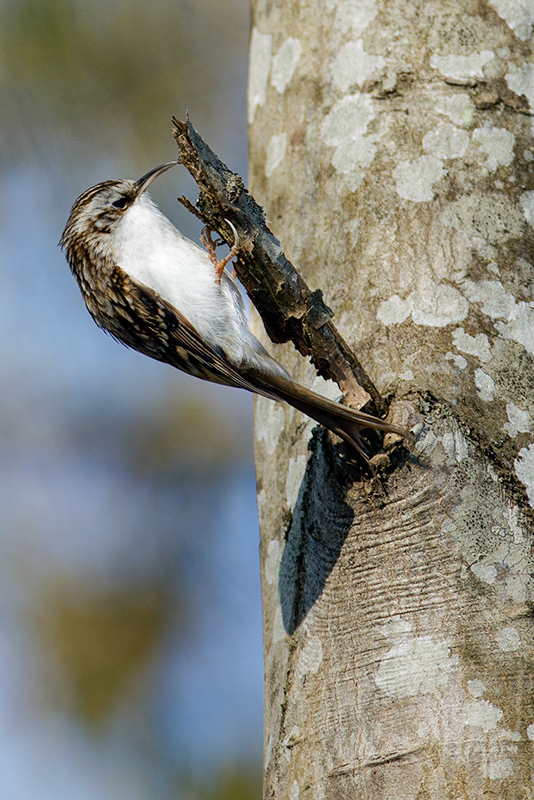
(95, 502)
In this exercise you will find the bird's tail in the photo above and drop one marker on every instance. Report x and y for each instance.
(344, 421)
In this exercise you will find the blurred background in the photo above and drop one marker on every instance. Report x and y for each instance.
(130, 619)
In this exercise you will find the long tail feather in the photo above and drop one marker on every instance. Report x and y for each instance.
(342, 420)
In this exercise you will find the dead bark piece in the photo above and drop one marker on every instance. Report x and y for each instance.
(290, 310)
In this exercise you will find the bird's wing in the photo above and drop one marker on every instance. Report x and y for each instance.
(150, 324)
(140, 318)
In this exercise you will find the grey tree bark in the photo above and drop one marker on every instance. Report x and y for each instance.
(391, 147)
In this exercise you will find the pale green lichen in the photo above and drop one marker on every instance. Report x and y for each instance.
(259, 67)
(415, 179)
(353, 66)
(276, 151)
(446, 141)
(461, 67)
(497, 143)
(285, 63)
(519, 15)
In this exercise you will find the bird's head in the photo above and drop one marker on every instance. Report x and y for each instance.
(98, 211)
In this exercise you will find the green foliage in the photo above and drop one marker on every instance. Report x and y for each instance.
(101, 644)
(188, 437)
(81, 70)
(233, 782)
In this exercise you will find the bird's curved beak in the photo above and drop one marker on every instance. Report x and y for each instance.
(143, 183)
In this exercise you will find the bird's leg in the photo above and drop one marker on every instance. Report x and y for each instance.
(211, 247)
(209, 244)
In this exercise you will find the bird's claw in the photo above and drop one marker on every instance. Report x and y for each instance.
(211, 247)
(209, 244)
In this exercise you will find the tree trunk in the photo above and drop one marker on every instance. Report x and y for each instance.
(391, 148)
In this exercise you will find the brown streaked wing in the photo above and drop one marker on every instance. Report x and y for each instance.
(162, 332)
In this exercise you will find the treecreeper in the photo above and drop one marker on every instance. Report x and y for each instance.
(158, 292)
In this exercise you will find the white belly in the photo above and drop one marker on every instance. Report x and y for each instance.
(152, 251)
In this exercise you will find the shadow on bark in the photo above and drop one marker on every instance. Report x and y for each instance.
(321, 522)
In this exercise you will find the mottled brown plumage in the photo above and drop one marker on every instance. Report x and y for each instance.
(157, 292)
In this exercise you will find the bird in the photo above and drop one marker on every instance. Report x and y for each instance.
(158, 292)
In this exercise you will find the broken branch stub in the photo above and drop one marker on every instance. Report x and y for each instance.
(290, 310)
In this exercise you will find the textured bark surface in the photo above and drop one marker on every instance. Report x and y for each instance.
(391, 147)
(289, 310)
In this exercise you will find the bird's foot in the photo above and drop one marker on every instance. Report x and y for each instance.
(209, 244)
(211, 247)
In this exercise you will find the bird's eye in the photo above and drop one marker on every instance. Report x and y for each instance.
(120, 203)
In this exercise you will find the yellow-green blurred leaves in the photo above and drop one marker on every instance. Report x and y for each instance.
(101, 644)
(193, 436)
(110, 74)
